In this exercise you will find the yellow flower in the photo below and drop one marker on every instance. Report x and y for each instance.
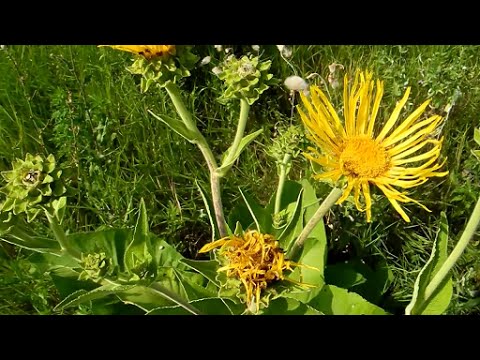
(147, 51)
(351, 151)
(255, 259)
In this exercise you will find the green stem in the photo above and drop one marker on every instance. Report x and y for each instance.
(202, 144)
(242, 123)
(467, 235)
(61, 237)
(176, 97)
(217, 204)
(329, 201)
(281, 181)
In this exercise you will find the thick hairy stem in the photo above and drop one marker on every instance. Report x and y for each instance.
(217, 204)
(281, 181)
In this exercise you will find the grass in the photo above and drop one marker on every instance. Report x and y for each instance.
(79, 103)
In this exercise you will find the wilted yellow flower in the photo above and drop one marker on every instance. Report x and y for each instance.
(147, 51)
(254, 258)
(351, 150)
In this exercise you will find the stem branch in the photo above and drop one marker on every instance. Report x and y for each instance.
(202, 144)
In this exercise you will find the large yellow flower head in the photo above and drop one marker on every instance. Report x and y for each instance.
(255, 259)
(396, 157)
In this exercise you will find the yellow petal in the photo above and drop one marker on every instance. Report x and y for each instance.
(376, 106)
(368, 200)
(394, 117)
(347, 191)
(410, 119)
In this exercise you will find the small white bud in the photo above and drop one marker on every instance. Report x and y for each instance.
(205, 60)
(285, 51)
(216, 70)
(2, 47)
(256, 48)
(227, 50)
(296, 83)
(218, 47)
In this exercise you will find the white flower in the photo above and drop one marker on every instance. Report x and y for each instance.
(256, 48)
(218, 47)
(2, 47)
(295, 83)
(205, 60)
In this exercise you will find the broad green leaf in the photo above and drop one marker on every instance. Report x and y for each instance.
(290, 192)
(286, 306)
(208, 207)
(357, 276)
(343, 275)
(257, 212)
(440, 299)
(137, 251)
(66, 281)
(311, 204)
(476, 153)
(112, 242)
(45, 262)
(378, 280)
(112, 305)
(222, 170)
(176, 125)
(155, 296)
(476, 137)
(167, 255)
(238, 229)
(333, 300)
(240, 214)
(207, 268)
(207, 306)
(59, 208)
(310, 271)
(288, 234)
(34, 243)
(195, 286)
(82, 296)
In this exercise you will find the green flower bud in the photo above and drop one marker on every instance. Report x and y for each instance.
(245, 78)
(95, 266)
(162, 70)
(33, 185)
(280, 219)
(289, 140)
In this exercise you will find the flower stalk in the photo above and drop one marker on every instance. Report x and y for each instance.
(281, 180)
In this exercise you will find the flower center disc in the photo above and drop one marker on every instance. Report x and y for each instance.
(363, 158)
